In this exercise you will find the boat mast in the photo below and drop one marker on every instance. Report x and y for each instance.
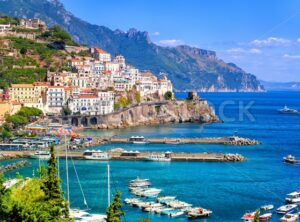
(108, 184)
(67, 171)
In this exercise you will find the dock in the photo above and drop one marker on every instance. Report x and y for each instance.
(232, 140)
(117, 155)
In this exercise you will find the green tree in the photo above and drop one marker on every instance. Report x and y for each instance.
(123, 101)
(138, 97)
(114, 211)
(256, 216)
(3, 193)
(17, 120)
(23, 51)
(190, 96)
(168, 95)
(67, 111)
(51, 188)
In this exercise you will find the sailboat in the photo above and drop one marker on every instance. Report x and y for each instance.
(78, 214)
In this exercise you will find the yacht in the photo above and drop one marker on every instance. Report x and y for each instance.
(198, 213)
(95, 155)
(289, 208)
(290, 218)
(42, 155)
(148, 192)
(293, 197)
(290, 159)
(286, 109)
(158, 158)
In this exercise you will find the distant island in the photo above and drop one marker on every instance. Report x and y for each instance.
(188, 68)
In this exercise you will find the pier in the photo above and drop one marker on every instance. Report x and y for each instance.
(233, 140)
(117, 155)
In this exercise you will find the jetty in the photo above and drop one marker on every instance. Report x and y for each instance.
(14, 166)
(117, 154)
(232, 140)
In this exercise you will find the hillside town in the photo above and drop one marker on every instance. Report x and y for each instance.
(94, 82)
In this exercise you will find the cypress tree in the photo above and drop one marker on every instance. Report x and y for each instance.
(53, 193)
(114, 211)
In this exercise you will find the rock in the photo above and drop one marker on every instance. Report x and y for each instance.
(153, 113)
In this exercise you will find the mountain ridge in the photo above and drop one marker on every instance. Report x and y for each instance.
(189, 68)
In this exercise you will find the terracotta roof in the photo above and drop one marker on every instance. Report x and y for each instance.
(21, 85)
(58, 87)
(86, 96)
(87, 90)
(100, 51)
(41, 84)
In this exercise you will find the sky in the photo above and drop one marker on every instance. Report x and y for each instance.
(260, 36)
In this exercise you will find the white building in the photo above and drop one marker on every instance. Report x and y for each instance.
(91, 104)
(5, 28)
(55, 98)
(100, 55)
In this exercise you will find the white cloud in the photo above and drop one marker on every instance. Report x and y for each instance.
(242, 51)
(271, 41)
(156, 33)
(288, 56)
(170, 42)
(298, 40)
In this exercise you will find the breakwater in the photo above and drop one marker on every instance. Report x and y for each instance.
(14, 166)
(182, 156)
(238, 141)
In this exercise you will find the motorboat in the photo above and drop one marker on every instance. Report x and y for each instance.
(83, 215)
(290, 159)
(175, 213)
(176, 204)
(293, 197)
(289, 208)
(265, 217)
(267, 207)
(158, 158)
(153, 207)
(148, 192)
(95, 155)
(288, 110)
(198, 213)
(248, 217)
(131, 200)
(165, 198)
(42, 155)
(290, 217)
(139, 183)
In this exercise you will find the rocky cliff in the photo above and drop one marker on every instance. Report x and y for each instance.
(158, 113)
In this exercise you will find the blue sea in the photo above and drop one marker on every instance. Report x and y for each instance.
(228, 189)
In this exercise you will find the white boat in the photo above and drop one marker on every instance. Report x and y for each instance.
(160, 210)
(165, 198)
(95, 155)
(153, 208)
(293, 197)
(158, 157)
(290, 159)
(147, 192)
(289, 208)
(267, 207)
(138, 140)
(139, 183)
(84, 216)
(176, 204)
(265, 217)
(198, 213)
(175, 213)
(288, 110)
(42, 155)
(290, 218)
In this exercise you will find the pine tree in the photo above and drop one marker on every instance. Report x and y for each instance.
(114, 211)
